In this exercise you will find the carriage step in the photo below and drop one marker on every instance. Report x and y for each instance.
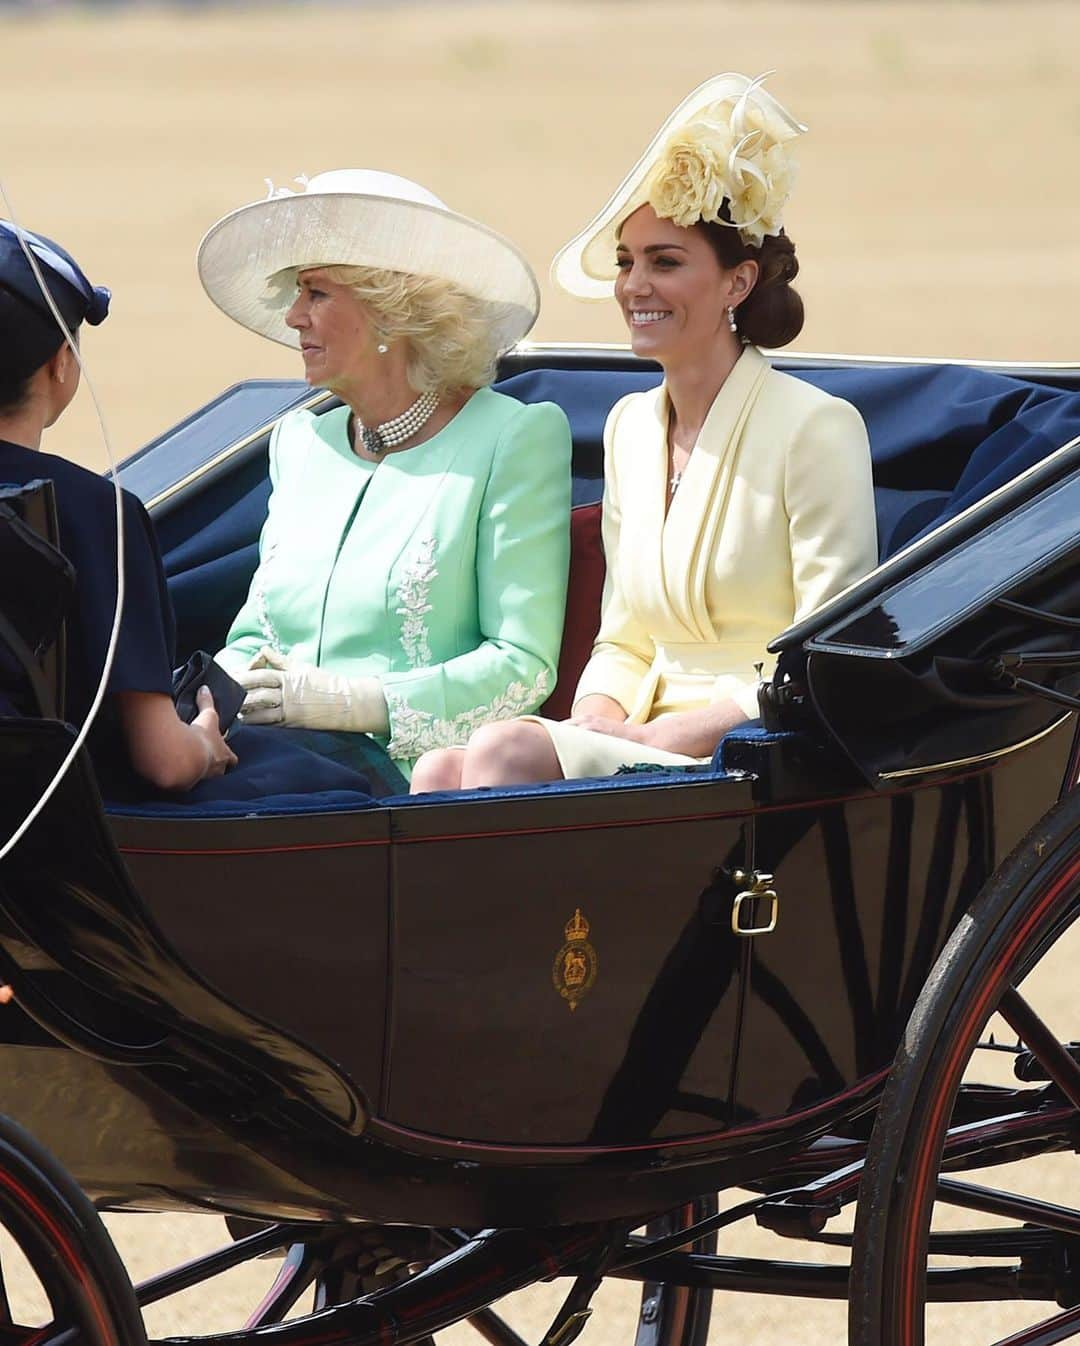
(793, 1218)
(804, 1211)
(798, 1215)
(1029, 1068)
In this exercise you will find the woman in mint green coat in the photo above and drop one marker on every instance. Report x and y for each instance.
(412, 569)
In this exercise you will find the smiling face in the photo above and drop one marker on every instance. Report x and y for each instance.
(337, 336)
(672, 289)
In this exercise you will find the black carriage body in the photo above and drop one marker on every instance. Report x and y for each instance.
(417, 950)
(526, 1006)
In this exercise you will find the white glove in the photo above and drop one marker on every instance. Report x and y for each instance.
(282, 692)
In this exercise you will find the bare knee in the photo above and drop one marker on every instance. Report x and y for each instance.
(439, 769)
(511, 752)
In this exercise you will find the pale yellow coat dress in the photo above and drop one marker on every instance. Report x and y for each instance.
(774, 514)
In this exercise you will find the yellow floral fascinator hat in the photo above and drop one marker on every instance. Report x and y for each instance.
(728, 141)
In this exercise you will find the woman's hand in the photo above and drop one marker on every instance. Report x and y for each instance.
(219, 755)
(601, 724)
(693, 733)
(604, 715)
(264, 682)
(163, 749)
(280, 691)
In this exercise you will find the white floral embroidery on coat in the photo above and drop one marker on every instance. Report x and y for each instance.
(413, 591)
(416, 731)
(266, 622)
(262, 605)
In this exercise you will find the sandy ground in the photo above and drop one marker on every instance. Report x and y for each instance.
(938, 213)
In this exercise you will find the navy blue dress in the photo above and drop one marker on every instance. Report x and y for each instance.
(86, 513)
(272, 761)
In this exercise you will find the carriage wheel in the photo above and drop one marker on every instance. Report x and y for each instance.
(980, 1009)
(675, 1315)
(56, 1229)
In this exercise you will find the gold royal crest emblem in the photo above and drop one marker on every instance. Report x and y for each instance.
(576, 963)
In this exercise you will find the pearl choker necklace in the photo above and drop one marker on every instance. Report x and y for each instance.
(377, 439)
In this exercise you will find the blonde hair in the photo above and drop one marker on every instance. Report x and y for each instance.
(450, 334)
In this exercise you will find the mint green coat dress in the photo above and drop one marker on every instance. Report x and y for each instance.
(440, 570)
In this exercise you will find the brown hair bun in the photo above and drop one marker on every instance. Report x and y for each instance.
(772, 313)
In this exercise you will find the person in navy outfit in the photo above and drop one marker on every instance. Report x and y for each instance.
(138, 729)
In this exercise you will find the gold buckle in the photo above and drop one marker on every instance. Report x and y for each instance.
(757, 885)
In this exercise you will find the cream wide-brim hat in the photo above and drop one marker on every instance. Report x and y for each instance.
(585, 267)
(360, 217)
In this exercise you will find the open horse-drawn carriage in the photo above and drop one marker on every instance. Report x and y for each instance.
(436, 1049)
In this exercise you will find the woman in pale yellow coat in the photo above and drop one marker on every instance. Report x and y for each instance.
(736, 499)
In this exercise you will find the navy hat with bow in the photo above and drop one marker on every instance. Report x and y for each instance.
(29, 340)
(77, 300)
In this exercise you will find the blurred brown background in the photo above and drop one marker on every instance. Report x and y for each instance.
(938, 213)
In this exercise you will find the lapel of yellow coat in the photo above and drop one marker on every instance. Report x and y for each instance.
(642, 466)
(697, 511)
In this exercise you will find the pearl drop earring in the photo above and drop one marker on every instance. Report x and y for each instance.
(731, 319)
(382, 347)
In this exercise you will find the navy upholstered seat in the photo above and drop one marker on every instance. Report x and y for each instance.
(942, 436)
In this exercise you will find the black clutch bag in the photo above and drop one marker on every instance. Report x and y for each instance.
(201, 671)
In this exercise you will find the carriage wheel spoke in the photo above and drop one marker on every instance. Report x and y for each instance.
(1051, 1055)
(201, 1269)
(973, 1197)
(1051, 1330)
(295, 1275)
(1007, 1242)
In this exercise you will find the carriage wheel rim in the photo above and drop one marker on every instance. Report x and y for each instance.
(909, 1295)
(60, 1241)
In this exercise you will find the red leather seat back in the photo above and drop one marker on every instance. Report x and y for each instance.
(587, 571)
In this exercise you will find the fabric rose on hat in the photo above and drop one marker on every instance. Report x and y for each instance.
(733, 151)
(688, 181)
(757, 203)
